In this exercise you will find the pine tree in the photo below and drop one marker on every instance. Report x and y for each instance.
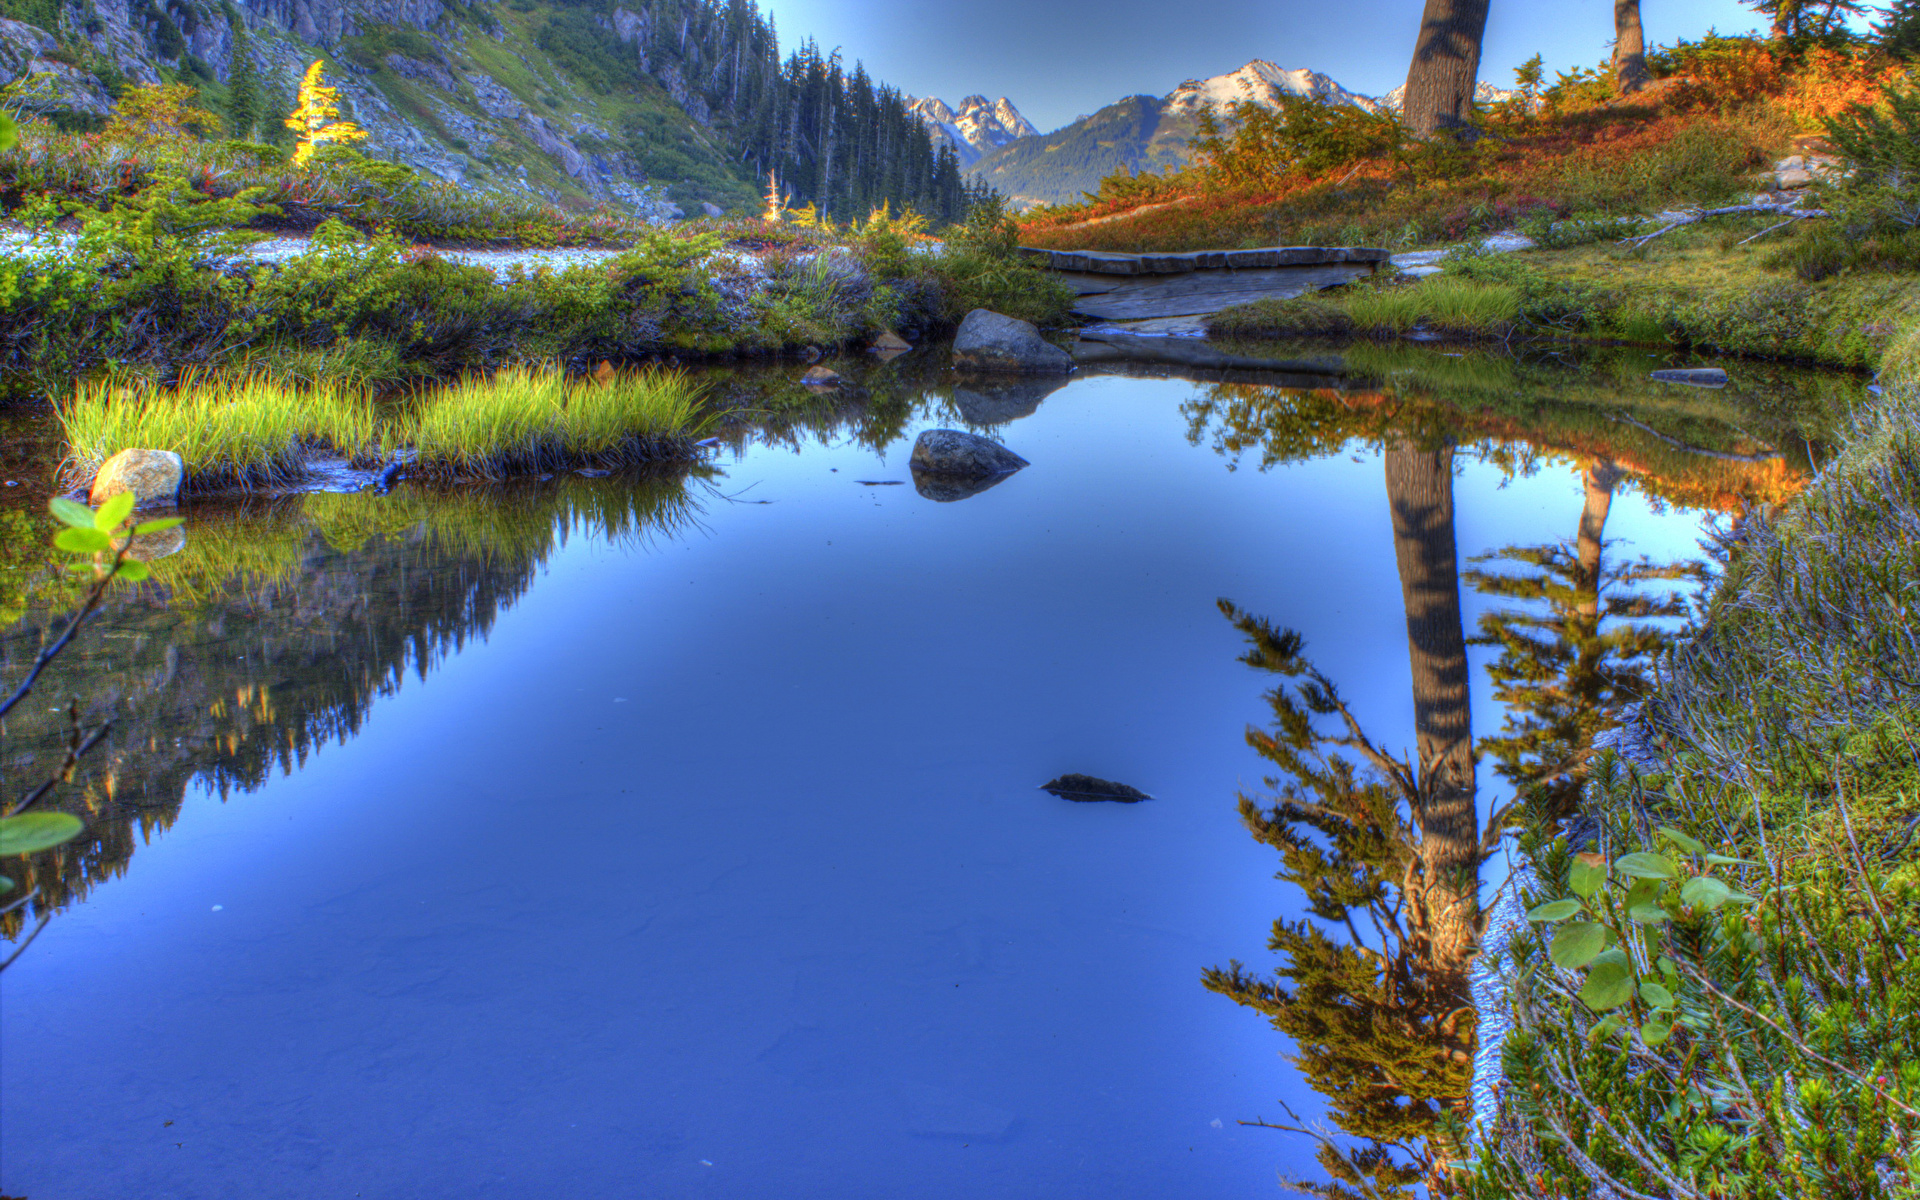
(1898, 31)
(246, 101)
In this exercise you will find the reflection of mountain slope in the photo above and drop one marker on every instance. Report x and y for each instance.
(274, 636)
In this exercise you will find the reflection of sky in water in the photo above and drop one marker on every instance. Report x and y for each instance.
(719, 868)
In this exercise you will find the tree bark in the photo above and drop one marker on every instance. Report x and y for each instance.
(1445, 68)
(1629, 48)
(1420, 492)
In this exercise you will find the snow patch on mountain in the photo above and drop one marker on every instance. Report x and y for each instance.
(1261, 82)
(980, 126)
(1486, 93)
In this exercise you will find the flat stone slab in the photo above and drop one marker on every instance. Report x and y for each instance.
(1102, 346)
(1201, 292)
(1103, 262)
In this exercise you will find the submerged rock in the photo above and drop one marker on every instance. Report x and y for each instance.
(1087, 789)
(967, 455)
(988, 341)
(821, 377)
(153, 476)
(146, 547)
(890, 341)
(1712, 377)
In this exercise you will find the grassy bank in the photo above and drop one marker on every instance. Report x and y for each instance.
(252, 433)
(1696, 287)
(1715, 996)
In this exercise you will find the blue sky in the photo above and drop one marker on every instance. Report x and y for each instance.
(1058, 59)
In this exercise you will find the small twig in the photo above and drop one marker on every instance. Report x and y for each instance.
(1734, 210)
(1770, 229)
(75, 752)
(22, 947)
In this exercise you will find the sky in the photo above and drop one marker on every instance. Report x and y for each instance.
(1060, 59)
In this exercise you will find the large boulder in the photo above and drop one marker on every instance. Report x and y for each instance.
(988, 341)
(966, 455)
(153, 476)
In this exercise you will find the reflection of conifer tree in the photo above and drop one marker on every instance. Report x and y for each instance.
(1384, 1023)
(1380, 1015)
(1565, 670)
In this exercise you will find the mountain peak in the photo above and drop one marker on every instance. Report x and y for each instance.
(977, 127)
(1260, 82)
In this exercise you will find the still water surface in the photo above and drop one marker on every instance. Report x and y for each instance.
(707, 858)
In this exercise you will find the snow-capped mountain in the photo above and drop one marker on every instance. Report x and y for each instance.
(979, 127)
(1486, 93)
(1260, 82)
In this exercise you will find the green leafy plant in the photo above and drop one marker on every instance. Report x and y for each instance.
(98, 540)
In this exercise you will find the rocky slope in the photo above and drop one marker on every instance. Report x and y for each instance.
(978, 127)
(660, 107)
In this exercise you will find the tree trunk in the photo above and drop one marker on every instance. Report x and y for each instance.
(1629, 48)
(1599, 480)
(1420, 492)
(1446, 67)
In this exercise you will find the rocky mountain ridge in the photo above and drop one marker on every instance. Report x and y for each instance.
(1155, 133)
(978, 127)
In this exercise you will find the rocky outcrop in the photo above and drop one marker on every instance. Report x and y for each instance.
(551, 143)
(153, 476)
(493, 99)
(426, 72)
(989, 341)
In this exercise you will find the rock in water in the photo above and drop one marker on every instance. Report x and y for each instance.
(821, 377)
(153, 476)
(1087, 788)
(889, 340)
(965, 455)
(1712, 377)
(988, 341)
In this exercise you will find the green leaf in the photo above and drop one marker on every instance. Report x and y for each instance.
(1721, 860)
(1704, 891)
(132, 570)
(71, 512)
(1644, 864)
(9, 131)
(1608, 986)
(1656, 1030)
(6, 885)
(1656, 996)
(1577, 944)
(160, 525)
(113, 512)
(1588, 876)
(1558, 910)
(1648, 914)
(1681, 840)
(82, 541)
(33, 831)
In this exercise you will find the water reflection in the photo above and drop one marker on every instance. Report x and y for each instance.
(269, 635)
(1373, 986)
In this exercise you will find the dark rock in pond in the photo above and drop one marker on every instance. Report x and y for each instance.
(988, 341)
(945, 489)
(998, 401)
(1712, 377)
(967, 455)
(1087, 789)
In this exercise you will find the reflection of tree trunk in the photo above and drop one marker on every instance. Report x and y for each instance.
(1599, 480)
(1629, 48)
(1420, 492)
(1446, 66)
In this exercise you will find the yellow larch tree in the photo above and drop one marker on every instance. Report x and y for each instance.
(314, 121)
